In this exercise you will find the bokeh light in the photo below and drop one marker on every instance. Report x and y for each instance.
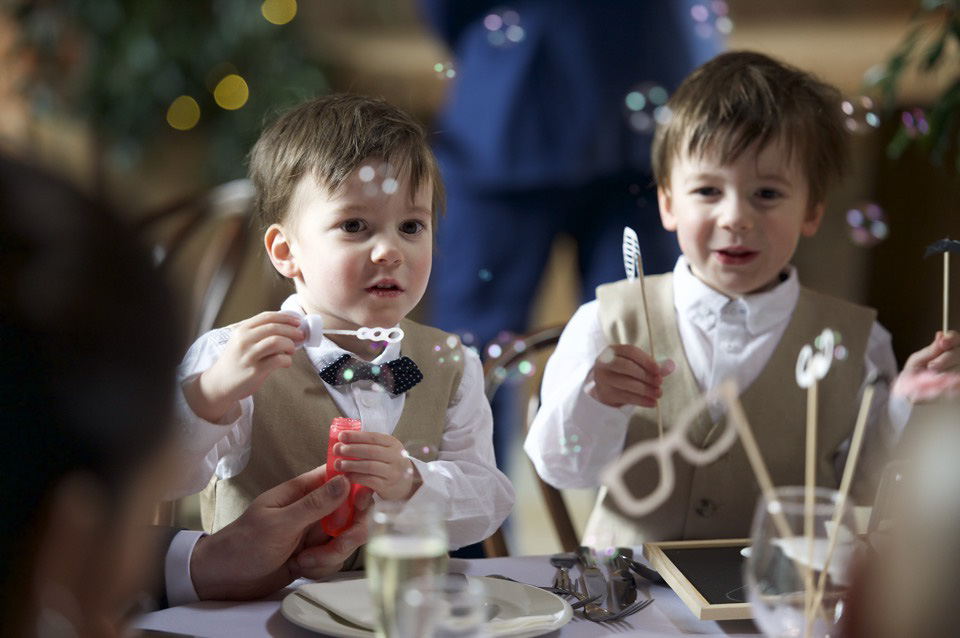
(867, 224)
(420, 450)
(485, 274)
(366, 173)
(494, 350)
(570, 446)
(231, 92)
(184, 113)
(860, 114)
(452, 342)
(279, 11)
(645, 107)
(504, 28)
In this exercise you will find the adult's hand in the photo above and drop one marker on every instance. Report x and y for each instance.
(278, 539)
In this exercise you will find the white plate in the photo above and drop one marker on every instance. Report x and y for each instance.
(514, 599)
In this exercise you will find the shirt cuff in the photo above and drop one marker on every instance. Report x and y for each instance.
(176, 568)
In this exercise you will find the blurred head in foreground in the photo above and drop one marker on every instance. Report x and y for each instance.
(88, 345)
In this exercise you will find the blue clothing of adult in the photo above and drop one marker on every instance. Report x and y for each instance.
(534, 142)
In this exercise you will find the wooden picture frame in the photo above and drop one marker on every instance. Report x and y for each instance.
(666, 559)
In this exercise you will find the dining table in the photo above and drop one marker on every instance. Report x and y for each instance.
(666, 616)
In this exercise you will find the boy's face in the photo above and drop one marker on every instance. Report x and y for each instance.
(360, 256)
(738, 224)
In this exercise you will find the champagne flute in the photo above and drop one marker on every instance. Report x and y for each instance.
(448, 606)
(405, 542)
(784, 567)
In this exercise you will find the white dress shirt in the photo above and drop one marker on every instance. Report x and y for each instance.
(721, 338)
(464, 476)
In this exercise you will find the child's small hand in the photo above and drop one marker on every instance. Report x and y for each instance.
(626, 375)
(942, 355)
(257, 347)
(380, 464)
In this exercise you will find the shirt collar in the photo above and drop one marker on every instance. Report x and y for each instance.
(701, 304)
(328, 352)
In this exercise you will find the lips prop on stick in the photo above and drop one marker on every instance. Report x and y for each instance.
(945, 246)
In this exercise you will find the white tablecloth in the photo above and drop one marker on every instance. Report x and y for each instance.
(667, 616)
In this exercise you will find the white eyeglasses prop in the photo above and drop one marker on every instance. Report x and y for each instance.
(312, 327)
(675, 440)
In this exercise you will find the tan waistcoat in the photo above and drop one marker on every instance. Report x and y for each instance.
(717, 500)
(292, 416)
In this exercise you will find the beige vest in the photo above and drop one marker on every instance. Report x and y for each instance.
(717, 500)
(292, 416)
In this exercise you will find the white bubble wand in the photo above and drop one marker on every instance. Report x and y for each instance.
(312, 327)
(633, 264)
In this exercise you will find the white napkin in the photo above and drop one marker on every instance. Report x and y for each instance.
(509, 626)
(349, 599)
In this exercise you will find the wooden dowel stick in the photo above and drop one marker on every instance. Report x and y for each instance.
(848, 471)
(946, 291)
(646, 313)
(810, 485)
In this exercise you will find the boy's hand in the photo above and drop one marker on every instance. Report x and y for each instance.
(942, 355)
(257, 347)
(626, 375)
(380, 464)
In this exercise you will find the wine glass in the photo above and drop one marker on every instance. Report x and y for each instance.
(786, 567)
(406, 541)
(448, 606)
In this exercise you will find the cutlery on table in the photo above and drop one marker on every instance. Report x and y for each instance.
(621, 578)
(591, 577)
(596, 613)
(563, 562)
(644, 571)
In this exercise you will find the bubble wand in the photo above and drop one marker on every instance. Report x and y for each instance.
(633, 264)
(945, 246)
(811, 368)
(312, 327)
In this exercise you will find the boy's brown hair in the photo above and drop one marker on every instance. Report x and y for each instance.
(741, 99)
(331, 136)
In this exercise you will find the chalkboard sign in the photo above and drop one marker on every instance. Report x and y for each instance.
(707, 575)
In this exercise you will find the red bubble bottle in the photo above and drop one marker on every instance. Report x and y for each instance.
(338, 521)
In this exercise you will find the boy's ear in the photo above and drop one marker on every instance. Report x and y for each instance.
(666, 214)
(812, 220)
(280, 251)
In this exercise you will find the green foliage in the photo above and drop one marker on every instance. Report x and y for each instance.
(118, 64)
(932, 42)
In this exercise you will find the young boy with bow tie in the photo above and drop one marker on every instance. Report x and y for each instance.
(347, 191)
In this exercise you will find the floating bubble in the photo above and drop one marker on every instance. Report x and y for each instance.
(422, 451)
(347, 374)
(840, 353)
(607, 356)
(366, 173)
(915, 122)
(389, 186)
(500, 373)
(452, 342)
(520, 345)
(526, 368)
(437, 348)
(467, 338)
(860, 114)
(494, 350)
(504, 28)
(645, 107)
(710, 18)
(485, 275)
(867, 224)
(445, 70)
(571, 446)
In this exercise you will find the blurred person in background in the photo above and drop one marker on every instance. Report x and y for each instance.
(546, 131)
(89, 340)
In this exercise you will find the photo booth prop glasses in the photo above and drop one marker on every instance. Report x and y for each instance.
(676, 439)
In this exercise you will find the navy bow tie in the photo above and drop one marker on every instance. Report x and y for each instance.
(396, 376)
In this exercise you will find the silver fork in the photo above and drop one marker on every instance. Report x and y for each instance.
(597, 613)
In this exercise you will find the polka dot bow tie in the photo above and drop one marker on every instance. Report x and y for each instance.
(396, 376)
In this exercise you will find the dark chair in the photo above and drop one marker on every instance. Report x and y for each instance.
(496, 371)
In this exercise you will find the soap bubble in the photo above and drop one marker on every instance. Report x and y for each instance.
(710, 18)
(445, 70)
(485, 274)
(422, 451)
(494, 350)
(867, 224)
(503, 28)
(570, 446)
(860, 114)
(915, 122)
(452, 342)
(645, 107)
